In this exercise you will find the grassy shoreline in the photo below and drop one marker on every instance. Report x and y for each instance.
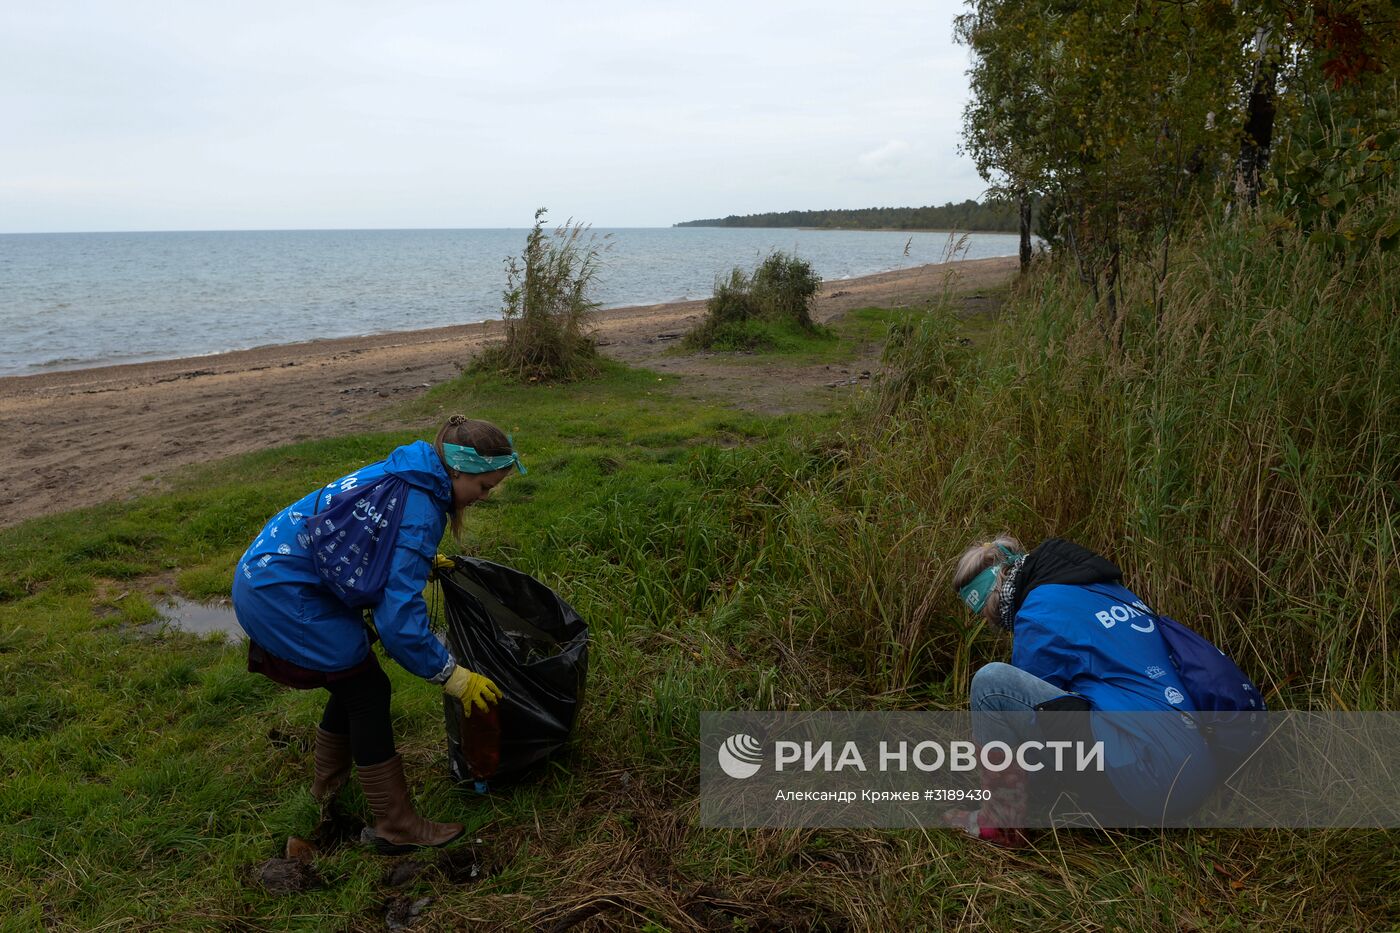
(724, 561)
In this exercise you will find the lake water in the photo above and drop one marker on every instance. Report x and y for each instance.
(69, 300)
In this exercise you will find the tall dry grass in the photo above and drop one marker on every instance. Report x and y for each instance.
(1238, 457)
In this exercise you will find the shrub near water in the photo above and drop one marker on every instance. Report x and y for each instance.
(755, 311)
(548, 307)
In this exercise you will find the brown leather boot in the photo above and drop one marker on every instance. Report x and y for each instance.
(332, 757)
(397, 828)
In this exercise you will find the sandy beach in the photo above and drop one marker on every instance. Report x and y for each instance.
(86, 436)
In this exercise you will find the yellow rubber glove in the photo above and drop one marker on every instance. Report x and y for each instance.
(471, 688)
(442, 562)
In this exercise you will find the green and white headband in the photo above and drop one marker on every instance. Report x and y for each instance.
(977, 591)
(467, 460)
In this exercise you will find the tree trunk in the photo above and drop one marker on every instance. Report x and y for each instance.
(1259, 121)
(1025, 211)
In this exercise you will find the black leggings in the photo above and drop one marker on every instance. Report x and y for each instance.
(359, 706)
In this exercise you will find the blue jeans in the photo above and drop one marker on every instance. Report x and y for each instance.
(1001, 688)
(1004, 699)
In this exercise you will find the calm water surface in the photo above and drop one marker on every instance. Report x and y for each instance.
(70, 300)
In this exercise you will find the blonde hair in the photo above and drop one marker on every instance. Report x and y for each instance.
(482, 436)
(978, 558)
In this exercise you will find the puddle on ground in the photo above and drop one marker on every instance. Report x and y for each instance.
(199, 618)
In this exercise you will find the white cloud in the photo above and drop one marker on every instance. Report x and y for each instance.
(335, 113)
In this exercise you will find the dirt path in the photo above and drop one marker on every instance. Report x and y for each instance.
(86, 436)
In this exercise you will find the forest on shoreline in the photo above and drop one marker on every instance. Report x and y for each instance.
(969, 216)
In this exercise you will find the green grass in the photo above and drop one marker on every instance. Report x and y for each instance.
(724, 561)
(138, 770)
(858, 332)
(762, 335)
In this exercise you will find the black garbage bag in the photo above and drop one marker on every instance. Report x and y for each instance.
(515, 630)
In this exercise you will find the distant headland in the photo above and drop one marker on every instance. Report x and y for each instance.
(968, 216)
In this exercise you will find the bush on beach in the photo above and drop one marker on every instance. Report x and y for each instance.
(750, 311)
(548, 307)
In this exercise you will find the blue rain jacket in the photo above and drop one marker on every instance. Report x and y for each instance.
(286, 608)
(1101, 642)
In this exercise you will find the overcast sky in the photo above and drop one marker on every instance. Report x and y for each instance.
(124, 115)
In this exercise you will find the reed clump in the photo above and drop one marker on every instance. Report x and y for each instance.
(548, 307)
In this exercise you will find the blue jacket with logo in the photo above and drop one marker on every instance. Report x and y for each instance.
(284, 607)
(1100, 641)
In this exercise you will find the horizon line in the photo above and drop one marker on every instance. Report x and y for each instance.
(304, 230)
(694, 225)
